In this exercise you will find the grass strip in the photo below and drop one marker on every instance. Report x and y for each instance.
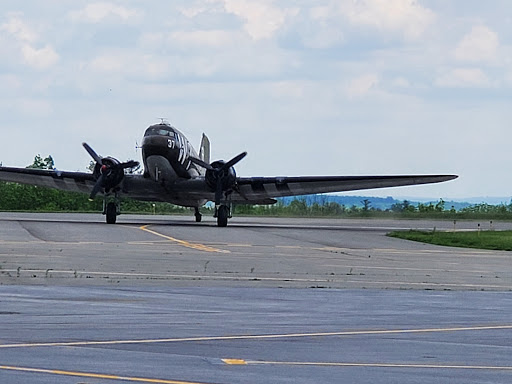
(494, 240)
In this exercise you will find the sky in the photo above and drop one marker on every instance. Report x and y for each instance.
(342, 87)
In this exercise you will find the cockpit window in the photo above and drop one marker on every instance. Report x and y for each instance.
(163, 132)
(160, 130)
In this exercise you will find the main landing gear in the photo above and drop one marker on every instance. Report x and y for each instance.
(222, 213)
(111, 209)
(197, 214)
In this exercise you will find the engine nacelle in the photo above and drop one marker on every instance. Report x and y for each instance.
(112, 173)
(227, 176)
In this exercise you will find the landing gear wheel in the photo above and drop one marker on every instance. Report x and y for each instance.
(222, 216)
(111, 213)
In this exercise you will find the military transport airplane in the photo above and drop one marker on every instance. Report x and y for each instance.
(174, 172)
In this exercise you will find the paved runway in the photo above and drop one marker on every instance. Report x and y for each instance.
(166, 300)
(251, 252)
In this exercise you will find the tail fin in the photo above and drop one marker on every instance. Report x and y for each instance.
(204, 149)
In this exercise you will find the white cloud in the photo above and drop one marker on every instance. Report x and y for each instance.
(405, 16)
(463, 78)
(25, 39)
(331, 23)
(192, 12)
(97, 12)
(262, 18)
(401, 82)
(194, 9)
(39, 58)
(361, 85)
(19, 29)
(203, 38)
(326, 31)
(479, 45)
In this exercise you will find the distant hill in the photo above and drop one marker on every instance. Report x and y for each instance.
(491, 200)
(382, 203)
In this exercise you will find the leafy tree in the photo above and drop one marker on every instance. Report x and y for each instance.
(298, 206)
(366, 205)
(40, 163)
(404, 206)
(91, 166)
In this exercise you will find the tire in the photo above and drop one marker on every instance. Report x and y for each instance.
(222, 216)
(111, 213)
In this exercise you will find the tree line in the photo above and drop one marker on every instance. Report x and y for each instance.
(20, 197)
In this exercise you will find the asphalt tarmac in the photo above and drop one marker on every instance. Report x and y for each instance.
(162, 299)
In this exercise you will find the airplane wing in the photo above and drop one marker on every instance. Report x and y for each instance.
(258, 188)
(63, 180)
(264, 190)
(135, 186)
(247, 190)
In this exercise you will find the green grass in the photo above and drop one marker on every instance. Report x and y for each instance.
(495, 240)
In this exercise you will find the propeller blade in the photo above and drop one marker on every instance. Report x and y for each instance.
(97, 187)
(93, 154)
(234, 160)
(201, 163)
(128, 164)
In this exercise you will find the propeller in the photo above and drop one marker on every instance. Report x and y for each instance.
(220, 175)
(93, 154)
(234, 160)
(111, 171)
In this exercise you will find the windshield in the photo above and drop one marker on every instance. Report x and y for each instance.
(160, 130)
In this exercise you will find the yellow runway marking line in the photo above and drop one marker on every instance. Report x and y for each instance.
(259, 337)
(184, 243)
(368, 365)
(234, 361)
(94, 375)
